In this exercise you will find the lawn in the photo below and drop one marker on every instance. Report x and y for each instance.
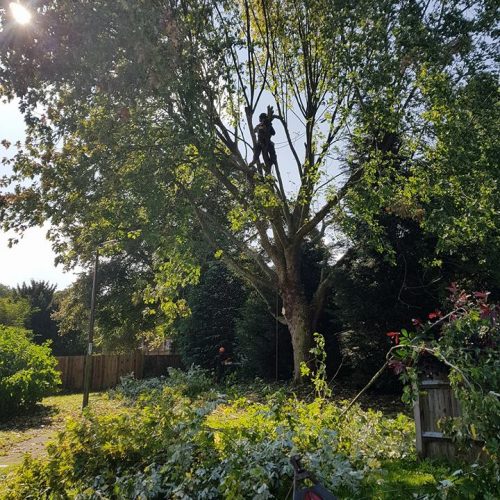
(30, 433)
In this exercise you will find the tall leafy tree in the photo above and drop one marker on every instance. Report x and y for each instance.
(149, 125)
(13, 311)
(40, 296)
(122, 322)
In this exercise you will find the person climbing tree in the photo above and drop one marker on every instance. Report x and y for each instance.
(264, 131)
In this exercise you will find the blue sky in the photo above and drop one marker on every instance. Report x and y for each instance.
(32, 257)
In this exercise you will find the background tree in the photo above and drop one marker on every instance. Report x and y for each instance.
(255, 339)
(215, 308)
(13, 311)
(40, 296)
(122, 321)
(155, 109)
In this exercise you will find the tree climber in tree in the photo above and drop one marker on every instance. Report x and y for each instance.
(264, 145)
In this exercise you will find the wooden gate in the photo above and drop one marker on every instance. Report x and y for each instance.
(435, 401)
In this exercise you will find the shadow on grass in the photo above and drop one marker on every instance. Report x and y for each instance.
(34, 418)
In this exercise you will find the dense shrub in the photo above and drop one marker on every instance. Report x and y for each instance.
(27, 371)
(172, 441)
(191, 383)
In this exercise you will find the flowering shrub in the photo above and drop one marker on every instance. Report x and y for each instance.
(467, 341)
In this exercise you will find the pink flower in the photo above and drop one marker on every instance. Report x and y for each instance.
(485, 311)
(462, 299)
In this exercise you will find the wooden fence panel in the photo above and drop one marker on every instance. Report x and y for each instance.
(436, 401)
(71, 368)
(107, 369)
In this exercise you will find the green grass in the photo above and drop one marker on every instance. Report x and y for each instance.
(48, 417)
(403, 478)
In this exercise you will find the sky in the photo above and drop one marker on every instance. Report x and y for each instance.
(32, 257)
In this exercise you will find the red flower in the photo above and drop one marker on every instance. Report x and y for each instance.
(453, 288)
(394, 336)
(435, 314)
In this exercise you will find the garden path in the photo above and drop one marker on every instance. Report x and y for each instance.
(31, 433)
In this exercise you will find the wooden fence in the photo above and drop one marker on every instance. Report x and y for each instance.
(107, 369)
(436, 401)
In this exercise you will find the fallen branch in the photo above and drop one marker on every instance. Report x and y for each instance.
(365, 388)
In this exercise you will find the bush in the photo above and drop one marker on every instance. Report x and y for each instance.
(27, 371)
(191, 383)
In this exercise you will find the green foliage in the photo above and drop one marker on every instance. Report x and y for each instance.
(317, 375)
(173, 440)
(170, 441)
(155, 144)
(40, 296)
(214, 304)
(255, 338)
(373, 295)
(190, 383)
(121, 319)
(471, 342)
(468, 343)
(14, 312)
(27, 371)
(131, 389)
(458, 185)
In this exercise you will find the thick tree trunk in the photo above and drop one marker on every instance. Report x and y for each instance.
(300, 330)
(297, 312)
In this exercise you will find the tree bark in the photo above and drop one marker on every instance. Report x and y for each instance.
(299, 324)
(297, 310)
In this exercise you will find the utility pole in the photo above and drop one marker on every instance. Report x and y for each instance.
(87, 372)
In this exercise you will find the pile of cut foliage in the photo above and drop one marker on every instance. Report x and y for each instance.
(180, 438)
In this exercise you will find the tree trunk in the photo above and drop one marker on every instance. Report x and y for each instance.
(297, 311)
(298, 321)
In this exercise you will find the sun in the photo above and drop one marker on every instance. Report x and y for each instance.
(20, 13)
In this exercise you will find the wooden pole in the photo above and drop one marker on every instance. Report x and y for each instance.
(87, 372)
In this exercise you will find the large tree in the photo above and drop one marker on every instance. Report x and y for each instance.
(140, 121)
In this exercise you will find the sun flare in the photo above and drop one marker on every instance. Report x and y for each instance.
(20, 13)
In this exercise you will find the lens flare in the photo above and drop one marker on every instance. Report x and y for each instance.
(20, 13)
